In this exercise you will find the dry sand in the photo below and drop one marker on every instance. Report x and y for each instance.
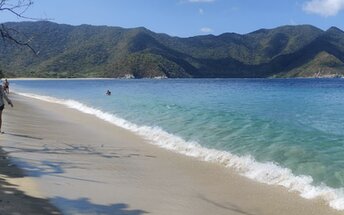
(87, 166)
(13, 201)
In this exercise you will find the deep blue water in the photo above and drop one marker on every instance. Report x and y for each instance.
(296, 124)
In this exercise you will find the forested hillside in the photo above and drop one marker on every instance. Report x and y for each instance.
(101, 51)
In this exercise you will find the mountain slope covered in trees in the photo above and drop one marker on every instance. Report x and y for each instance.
(101, 51)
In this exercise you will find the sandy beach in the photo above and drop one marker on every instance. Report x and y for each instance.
(14, 200)
(84, 165)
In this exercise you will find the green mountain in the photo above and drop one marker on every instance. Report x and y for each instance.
(102, 51)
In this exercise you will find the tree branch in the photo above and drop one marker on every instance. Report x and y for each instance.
(17, 8)
(7, 33)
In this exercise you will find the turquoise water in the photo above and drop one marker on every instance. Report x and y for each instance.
(295, 127)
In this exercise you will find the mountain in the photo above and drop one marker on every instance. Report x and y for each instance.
(102, 51)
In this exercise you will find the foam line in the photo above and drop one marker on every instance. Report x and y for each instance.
(268, 173)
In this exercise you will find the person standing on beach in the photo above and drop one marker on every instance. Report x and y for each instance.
(2, 104)
(7, 86)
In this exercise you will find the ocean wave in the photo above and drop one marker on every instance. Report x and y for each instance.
(268, 173)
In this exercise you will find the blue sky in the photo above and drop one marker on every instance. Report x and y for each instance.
(186, 18)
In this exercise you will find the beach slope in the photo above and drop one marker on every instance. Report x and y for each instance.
(85, 165)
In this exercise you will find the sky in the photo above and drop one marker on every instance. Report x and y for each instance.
(185, 18)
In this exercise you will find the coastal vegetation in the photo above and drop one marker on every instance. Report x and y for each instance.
(101, 51)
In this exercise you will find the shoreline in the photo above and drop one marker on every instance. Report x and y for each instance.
(47, 79)
(197, 187)
(267, 173)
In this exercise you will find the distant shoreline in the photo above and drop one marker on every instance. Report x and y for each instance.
(59, 79)
(34, 79)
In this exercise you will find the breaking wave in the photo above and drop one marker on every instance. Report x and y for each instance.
(268, 173)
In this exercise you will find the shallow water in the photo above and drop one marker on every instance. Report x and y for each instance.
(277, 131)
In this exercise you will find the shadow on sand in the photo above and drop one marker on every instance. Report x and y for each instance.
(24, 136)
(15, 202)
(85, 207)
(39, 168)
(12, 200)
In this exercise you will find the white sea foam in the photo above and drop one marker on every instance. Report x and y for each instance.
(268, 173)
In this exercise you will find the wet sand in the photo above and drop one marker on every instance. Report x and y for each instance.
(87, 166)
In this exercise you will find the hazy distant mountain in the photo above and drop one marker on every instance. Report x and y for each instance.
(101, 51)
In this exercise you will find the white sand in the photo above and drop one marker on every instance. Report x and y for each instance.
(87, 166)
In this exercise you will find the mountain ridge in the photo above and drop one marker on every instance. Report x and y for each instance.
(103, 51)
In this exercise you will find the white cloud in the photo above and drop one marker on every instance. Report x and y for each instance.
(206, 30)
(324, 7)
(201, 11)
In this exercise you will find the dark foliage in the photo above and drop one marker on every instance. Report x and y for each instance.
(101, 51)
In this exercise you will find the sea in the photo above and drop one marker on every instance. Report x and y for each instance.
(281, 132)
